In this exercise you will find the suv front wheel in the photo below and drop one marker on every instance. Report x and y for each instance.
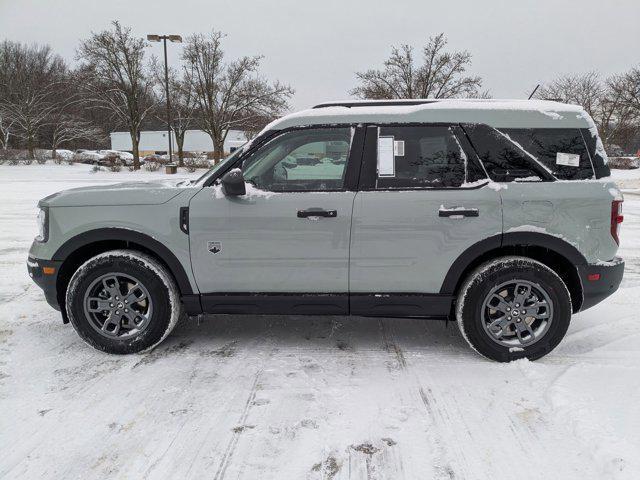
(123, 301)
(513, 307)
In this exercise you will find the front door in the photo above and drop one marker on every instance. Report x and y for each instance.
(425, 199)
(288, 235)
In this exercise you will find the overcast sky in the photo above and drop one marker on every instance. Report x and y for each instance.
(317, 46)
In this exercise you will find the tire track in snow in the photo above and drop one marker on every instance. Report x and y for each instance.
(442, 467)
(229, 391)
(233, 442)
(16, 296)
(466, 428)
(613, 455)
(193, 353)
(391, 347)
(228, 454)
(437, 413)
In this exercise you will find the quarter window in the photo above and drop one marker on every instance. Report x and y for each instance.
(301, 160)
(419, 157)
(546, 143)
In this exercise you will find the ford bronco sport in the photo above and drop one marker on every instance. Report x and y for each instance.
(497, 214)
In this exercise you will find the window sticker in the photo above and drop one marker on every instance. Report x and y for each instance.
(568, 159)
(386, 158)
(398, 148)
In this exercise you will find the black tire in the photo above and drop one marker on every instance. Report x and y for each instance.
(480, 283)
(157, 281)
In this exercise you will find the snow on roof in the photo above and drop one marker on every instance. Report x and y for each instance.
(494, 112)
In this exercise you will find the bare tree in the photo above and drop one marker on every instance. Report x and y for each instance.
(6, 124)
(68, 128)
(31, 74)
(625, 91)
(229, 94)
(5, 131)
(440, 75)
(115, 79)
(603, 100)
(182, 102)
(627, 87)
(252, 127)
(586, 90)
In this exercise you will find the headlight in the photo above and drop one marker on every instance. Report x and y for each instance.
(43, 225)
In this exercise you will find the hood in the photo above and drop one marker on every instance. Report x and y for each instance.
(131, 193)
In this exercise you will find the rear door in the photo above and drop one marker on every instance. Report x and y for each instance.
(290, 233)
(424, 200)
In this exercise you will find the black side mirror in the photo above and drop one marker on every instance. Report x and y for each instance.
(233, 183)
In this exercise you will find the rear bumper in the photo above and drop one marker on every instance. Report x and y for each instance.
(610, 276)
(47, 282)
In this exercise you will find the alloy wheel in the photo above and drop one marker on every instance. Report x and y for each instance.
(517, 313)
(118, 305)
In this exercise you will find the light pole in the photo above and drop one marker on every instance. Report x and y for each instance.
(173, 39)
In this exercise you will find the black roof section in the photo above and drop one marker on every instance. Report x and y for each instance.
(374, 103)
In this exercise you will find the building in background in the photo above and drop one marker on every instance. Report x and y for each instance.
(195, 141)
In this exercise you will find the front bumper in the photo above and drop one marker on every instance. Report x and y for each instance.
(46, 279)
(599, 281)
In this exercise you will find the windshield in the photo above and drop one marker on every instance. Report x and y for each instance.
(219, 166)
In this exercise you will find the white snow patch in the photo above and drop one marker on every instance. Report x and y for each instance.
(554, 115)
(533, 178)
(497, 186)
(254, 192)
(477, 183)
(616, 193)
(610, 263)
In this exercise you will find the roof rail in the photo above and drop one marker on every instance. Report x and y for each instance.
(374, 103)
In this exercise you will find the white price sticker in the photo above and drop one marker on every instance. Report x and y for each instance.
(386, 159)
(568, 159)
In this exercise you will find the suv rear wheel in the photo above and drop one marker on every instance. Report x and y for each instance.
(123, 301)
(513, 307)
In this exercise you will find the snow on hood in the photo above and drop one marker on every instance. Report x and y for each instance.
(130, 193)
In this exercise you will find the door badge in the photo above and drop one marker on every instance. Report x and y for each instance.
(214, 247)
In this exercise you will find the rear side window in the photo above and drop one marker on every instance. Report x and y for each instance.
(561, 150)
(503, 158)
(419, 157)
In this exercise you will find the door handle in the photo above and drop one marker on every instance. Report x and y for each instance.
(317, 212)
(458, 212)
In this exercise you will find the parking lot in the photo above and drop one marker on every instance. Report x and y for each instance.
(307, 397)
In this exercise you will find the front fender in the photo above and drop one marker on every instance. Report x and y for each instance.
(133, 237)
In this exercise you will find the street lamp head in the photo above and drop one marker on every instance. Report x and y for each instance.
(153, 38)
(175, 38)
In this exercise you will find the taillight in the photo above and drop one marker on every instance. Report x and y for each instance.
(616, 219)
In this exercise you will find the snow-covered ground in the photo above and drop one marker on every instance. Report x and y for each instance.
(307, 397)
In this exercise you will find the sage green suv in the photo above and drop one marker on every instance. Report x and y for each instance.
(498, 214)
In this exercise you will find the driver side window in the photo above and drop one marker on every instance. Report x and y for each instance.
(301, 160)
